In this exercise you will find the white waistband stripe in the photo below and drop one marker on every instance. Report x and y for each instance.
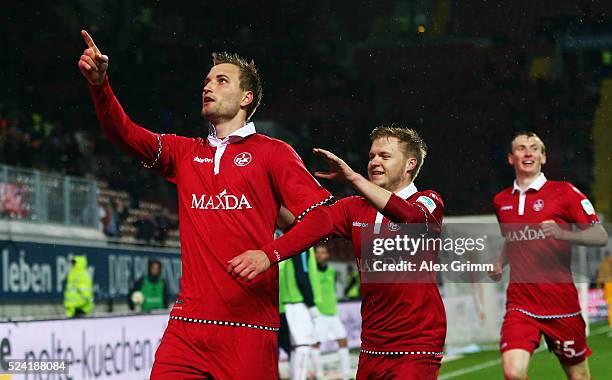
(370, 352)
(546, 316)
(224, 323)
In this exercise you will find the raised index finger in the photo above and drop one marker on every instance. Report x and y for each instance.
(89, 41)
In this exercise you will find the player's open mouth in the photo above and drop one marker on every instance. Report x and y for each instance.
(376, 172)
(208, 99)
(528, 162)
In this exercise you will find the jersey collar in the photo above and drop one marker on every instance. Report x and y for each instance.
(407, 191)
(237, 135)
(535, 185)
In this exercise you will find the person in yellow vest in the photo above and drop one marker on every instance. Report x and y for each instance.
(353, 288)
(149, 291)
(78, 292)
(299, 294)
(329, 326)
(604, 279)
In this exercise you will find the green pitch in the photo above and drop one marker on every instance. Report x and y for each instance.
(543, 366)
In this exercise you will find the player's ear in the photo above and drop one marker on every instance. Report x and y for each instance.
(543, 158)
(247, 99)
(510, 159)
(411, 164)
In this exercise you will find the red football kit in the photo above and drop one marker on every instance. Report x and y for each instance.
(541, 296)
(229, 192)
(399, 320)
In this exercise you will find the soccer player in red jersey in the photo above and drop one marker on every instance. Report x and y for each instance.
(403, 324)
(536, 216)
(230, 189)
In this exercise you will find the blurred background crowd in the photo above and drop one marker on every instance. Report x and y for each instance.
(332, 71)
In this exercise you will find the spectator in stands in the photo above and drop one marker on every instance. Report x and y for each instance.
(352, 289)
(162, 225)
(150, 291)
(111, 228)
(78, 292)
(145, 228)
(102, 217)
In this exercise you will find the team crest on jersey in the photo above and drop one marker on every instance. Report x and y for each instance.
(243, 159)
(538, 205)
(393, 227)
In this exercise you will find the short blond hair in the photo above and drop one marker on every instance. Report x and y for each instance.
(411, 142)
(249, 77)
(528, 134)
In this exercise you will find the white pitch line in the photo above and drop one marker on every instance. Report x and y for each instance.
(471, 369)
(494, 362)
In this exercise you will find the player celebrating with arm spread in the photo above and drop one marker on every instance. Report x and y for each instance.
(403, 324)
(230, 188)
(541, 297)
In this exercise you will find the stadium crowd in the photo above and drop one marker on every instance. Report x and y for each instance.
(455, 80)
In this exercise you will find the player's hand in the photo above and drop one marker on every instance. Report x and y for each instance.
(92, 63)
(338, 169)
(248, 265)
(552, 230)
(497, 272)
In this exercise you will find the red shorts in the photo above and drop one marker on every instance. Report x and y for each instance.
(566, 337)
(388, 367)
(201, 351)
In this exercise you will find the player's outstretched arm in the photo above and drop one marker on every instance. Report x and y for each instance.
(313, 227)
(595, 235)
(116, 125)
(341, 171)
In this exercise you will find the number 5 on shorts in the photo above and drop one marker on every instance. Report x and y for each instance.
(566, 350)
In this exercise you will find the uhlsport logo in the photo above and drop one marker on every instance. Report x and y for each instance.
(243, 159)
(203, 160)
(221, 201)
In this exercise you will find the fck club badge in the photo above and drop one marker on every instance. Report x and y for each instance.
(538, 205)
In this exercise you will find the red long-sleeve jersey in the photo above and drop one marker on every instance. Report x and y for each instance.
(229, 194)
(398, 316)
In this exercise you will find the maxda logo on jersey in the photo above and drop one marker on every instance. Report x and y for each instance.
(525, 234)
(221, 201)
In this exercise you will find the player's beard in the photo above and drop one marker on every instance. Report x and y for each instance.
(218, 112)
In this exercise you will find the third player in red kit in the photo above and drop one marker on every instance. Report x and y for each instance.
(536, 216)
